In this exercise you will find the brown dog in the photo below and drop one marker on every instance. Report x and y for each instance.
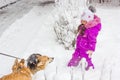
(22, 72)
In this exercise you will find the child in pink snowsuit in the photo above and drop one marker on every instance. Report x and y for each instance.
(86, 39)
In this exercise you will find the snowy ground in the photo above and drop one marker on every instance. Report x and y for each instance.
(34, 33)
(15, 11)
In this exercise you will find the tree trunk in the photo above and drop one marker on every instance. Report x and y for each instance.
(119, 2)
(99, 1)
(103, 1)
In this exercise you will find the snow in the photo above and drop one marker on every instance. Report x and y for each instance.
(15, 11)
(33, 33)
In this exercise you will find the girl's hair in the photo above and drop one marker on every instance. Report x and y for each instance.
(81, 29)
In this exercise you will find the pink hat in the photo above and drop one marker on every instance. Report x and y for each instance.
(87, 15)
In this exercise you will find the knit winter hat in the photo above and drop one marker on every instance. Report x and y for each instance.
(87, 15)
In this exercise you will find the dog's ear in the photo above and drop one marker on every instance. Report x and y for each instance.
(22, 61)
(16, 62)
(14, 67)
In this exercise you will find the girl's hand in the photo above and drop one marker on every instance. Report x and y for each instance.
(89, 52)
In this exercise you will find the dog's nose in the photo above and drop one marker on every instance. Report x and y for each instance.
(52, 58)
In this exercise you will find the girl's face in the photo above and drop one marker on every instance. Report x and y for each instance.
(83, 22)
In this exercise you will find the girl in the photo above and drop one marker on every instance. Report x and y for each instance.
(86, 39)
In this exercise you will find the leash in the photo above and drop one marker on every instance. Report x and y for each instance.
(9, 56)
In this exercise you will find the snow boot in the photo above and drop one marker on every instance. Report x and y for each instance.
(75, 59)
(74, 62)
(90, 64)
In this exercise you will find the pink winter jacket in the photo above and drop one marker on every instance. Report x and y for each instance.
(88, 40)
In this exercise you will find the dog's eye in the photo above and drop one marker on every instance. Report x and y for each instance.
(38, 61)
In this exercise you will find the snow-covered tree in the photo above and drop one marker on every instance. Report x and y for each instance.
(68, 21)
